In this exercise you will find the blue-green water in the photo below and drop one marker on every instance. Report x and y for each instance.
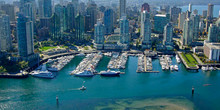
(164, 90)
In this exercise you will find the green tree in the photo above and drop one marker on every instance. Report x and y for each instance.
(2, 69)
(23, 65)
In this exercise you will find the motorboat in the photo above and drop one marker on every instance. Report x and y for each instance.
(176, 68)
(53, 69)
(82, 88)
(43, 73)
(205, 68)
(109, 73)
(178, 59)
(171, 67)
(85, 73)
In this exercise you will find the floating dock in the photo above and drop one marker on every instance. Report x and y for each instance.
(145, 65)
(118, 61)
(90, 62)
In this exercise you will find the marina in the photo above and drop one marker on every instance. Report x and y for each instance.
(57, 64)
(118, 61)
(145, 65)
(66, 87)
(87, 65)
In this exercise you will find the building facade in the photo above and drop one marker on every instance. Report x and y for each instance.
(160, 20)
(146, 29)
(99, 35)
(213, 33)
(168, 34)
(187, 32)
(122, 8)
(25, 36)
(5, 33)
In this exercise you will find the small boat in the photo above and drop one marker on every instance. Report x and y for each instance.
(82, 88)
(205, 68)
(176, 68)
(109, 73)
(171, 67)
(85, 73)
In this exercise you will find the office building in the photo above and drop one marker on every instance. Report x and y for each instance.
(160, 20)
(204, 13)
(122, 8)
(92, 12)
(187, 32)
(99, 35)
(145, 29)
(210, 11)
(196, 20)
(190, 7)
(168, 34)
(124, 30)
(212, 51)
(80, 30)
(9, 10)
(45, 8)
(25, 36)
(213, 33)
(174, 13)
(108, 21)
(5, 33)
(181, 19)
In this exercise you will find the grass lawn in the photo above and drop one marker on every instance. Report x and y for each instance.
(190, 60)
(47, 48)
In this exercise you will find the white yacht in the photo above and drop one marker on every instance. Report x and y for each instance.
(171, 67)
(43, 73)
(178, 59)
(85, 73)
(205, 68)
(81, 54)
(176, 68)
(109, 73)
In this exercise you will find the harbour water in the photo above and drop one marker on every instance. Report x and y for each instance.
(163, 90)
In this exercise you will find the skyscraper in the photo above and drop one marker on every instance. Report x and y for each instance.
(5, 33)
(80, 31)
(146, 29)
(92, 11)
(213, 33)
(25, 36)
(160, 20)
(122, 8)
(99, 35)
(59, 10)
(187, 32)
(210, 11)
(204, 13)
(181, 19)
(29, 11)
(124, 30)
(196, 20)
(190, 7)
(45, 8)
(108, 21)
(145, 7)
(174, 13)
(9, 10)
(168, 34)
(70, 17)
